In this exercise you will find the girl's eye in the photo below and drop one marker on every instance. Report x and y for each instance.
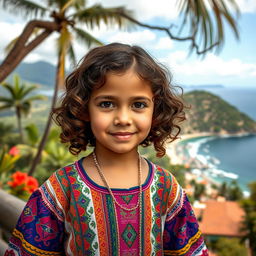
(106, 104)
(139, 105)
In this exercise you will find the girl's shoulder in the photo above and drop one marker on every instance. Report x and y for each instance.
(57, 189)
(170, 190)
(164, 175)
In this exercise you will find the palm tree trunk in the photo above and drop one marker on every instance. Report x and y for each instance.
(18, 114)
(48, 124)
(23, 47)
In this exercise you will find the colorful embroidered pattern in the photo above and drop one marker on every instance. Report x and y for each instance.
(71, 215)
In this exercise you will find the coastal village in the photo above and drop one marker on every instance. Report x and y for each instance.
(219, 217)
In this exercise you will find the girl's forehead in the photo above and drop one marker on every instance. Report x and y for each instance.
(126, 83)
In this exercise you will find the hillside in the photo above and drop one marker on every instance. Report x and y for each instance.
(210, 113)
(40, 72)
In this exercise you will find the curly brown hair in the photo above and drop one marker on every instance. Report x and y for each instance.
(91, 73)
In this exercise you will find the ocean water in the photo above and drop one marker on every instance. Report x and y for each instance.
(230, 158)
(226, 158)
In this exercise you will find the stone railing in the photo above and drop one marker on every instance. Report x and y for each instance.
(11, 208)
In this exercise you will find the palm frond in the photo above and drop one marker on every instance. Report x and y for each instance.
(85, 37)
(32, 133)
(24, 7)
(36, 97)
(67, 5)
(9, 88)
(7, 106)
(96, 14)
(71, 55)
(207, 24)
(80, 4)
(5, 99)
(26, 89)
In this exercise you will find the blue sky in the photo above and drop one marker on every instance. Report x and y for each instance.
(234, 66)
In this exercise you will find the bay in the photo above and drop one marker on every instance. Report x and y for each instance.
(230, 158)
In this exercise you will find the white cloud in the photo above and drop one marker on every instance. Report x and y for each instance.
(164, 43)
(143, 37)
(247, 6)
(11, 32)
(212, 65)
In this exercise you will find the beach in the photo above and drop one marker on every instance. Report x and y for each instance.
(216, 157)
(173, 151)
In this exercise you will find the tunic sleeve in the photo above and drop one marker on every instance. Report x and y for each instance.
(181, 231)
(38, 231)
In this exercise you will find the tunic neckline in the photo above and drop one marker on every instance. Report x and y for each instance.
(92, 184)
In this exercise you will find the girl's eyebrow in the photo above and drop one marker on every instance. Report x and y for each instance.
(110, 97)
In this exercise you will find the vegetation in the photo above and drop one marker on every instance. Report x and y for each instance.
(249, 221)
(19, 100)
(231, 192)
(230, 246)
(209, 113)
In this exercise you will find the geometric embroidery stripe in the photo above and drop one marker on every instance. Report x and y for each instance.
(182, 251)
(179, 200)
(112, 225)
(148, 223)
(153, 194)
(200, 250)
(89, 231)
(174, 192)
(32, 249)
(101, 223)
(48, 195)
(142, 235)
(75, 216)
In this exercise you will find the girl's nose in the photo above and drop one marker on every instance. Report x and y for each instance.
(123, 117)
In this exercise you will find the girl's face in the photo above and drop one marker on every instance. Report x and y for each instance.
(120, 112)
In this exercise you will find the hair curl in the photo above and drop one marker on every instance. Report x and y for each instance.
(72, 114)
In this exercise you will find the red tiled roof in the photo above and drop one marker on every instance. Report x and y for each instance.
(220, 218)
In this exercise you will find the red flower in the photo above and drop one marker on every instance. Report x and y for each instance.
(32, 184)
(14, 151)
(26, 183)
(19, 178)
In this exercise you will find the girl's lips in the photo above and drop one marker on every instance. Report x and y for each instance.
(122, 135)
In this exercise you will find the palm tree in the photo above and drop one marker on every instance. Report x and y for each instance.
(65, 18)
(205, 25)
(6, 131)
(28, 149)
(19, 99)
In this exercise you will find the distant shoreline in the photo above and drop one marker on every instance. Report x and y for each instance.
(185, 137)
(176, 158)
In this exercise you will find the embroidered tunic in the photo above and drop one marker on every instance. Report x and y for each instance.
(72, 215)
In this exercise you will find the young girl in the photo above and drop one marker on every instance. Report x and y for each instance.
(112, 202)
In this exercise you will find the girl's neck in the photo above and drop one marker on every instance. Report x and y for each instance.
(110, 158)
(121, 170)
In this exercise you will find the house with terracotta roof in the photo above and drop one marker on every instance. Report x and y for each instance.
(219, 218)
